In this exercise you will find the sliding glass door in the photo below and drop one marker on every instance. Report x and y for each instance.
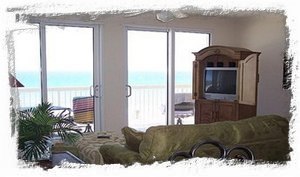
(147, 78)
(157, 62)
(69, 66)
(26, 47)
(59, 63)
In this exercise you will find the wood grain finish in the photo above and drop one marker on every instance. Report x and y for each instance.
(246, 61)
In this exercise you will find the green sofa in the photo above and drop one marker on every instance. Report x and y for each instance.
(266, 136)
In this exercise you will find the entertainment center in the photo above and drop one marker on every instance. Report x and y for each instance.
(224, 83)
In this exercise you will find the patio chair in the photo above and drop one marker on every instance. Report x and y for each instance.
(83, 109)
(184, 106)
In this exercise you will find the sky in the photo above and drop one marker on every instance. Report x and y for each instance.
(71, 49)
(67, 49)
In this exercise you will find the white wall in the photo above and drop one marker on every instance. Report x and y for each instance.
(266, 33)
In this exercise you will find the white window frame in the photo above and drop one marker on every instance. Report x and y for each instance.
(97, 61)
(170, 61)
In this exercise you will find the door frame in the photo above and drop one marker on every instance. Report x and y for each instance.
(97, 61)
(147, 29)
(170, 61)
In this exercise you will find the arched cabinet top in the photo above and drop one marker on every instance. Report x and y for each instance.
(235, 53)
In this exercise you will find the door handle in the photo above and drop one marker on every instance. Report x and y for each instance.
(130, 90)
(96, 90)
(93, 90)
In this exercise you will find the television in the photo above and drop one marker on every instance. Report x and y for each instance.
(220, 83)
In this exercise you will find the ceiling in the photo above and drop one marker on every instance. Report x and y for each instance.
(163, 13)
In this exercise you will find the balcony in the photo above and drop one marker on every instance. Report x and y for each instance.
(146, 106)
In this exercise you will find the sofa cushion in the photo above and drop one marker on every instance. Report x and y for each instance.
(133, 138)
(260, 128)
(117, 153)
(89, 144)
(160, 142)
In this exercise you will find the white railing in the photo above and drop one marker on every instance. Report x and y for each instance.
(146, 105)
(60, 96)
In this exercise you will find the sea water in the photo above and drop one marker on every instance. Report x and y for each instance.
(81, 79)
(64, 86)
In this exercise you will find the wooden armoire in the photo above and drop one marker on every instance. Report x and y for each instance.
(245, 62)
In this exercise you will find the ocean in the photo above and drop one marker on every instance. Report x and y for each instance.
(78, 79)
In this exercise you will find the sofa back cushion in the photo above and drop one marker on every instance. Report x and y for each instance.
(133, 138)
(261, 128)
(160, 142)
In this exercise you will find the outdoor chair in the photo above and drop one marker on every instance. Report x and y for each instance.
(83, 109)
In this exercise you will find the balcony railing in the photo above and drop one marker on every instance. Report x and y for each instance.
(146, 106)
(59, 96)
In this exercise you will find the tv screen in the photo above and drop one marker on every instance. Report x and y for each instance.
(220, 80)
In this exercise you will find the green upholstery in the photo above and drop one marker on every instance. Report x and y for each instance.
(117, 153)
(88, 145)
(133, 138)
(266, 136)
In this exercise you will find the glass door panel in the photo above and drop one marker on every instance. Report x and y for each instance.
(147, 79)
(185, 44)
(69, 53)
(27, 66)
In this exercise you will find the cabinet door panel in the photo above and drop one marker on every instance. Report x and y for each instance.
(207, 112)
(226, 111)
(248, 80)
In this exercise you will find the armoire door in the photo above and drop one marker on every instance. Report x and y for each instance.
(248, 79)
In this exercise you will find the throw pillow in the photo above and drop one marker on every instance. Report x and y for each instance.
(133, 138)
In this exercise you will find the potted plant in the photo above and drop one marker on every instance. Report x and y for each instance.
(36, 127)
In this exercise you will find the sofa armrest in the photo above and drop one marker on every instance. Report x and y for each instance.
(117, 153)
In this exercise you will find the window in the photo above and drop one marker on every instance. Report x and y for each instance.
(62, 66)
(185, 44)
(148, 82)
(27, 65)
(147, 77)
